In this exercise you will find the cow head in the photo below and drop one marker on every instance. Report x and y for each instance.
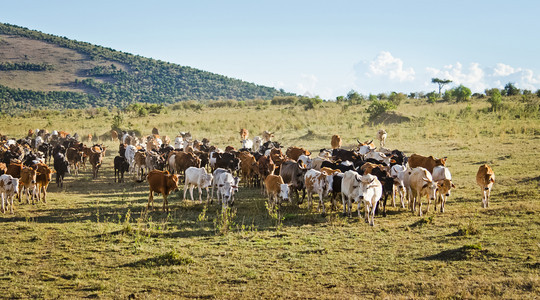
(444, 186)
(284, 192)
(431, 187)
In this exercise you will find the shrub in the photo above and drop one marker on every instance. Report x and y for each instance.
(396, 98)
(432, 97)
(495, 100)
(376, 108)
(462, 93)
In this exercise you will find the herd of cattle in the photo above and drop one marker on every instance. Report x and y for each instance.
(364, 175)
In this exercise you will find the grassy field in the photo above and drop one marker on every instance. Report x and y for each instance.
(93, 239)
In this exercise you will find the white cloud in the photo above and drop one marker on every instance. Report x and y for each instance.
(503, 70)
(386, 65)
(473, 77)
(307, 84)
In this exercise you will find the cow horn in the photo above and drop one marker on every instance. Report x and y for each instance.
(358, 141)
(426, 179)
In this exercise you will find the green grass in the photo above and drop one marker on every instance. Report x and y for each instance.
(94, 239)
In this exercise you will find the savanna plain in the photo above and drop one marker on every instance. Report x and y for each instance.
(95, 239)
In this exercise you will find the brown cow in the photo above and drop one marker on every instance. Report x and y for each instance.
(295, 152)
(244, 134)
(249, 167)
(75, 158)
(266, 167)
(140, 164)
(184, 160)
(28, 183)
(96, 157)
(89, 138)
(43, 178)
(485, 178)
(14, 169)
(426, 162)
(336, 141)
(277, 190)
(277, 156)
(161, 182)
(114, 135)
(3, 168)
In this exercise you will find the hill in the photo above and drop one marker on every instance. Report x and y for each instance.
(39, 70)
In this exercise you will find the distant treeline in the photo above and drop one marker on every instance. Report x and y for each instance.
(147, 80)
(7, 66)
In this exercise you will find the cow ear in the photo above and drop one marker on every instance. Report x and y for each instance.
(453, 186)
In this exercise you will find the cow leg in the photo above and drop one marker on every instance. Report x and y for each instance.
(428, 203)
(443, 202)
(191, 186)
(3, 205)
(185, 191)
(150, 200)
(200, 194)
(11, 205)
(321, 203)
(165, 203)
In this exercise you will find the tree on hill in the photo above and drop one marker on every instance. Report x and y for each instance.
(441, 83)
(461, 93)
(511, 90)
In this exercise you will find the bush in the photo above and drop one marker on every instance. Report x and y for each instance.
(462, 93)
(432, 97)
(376, 108)
(396, 98)
(495, 100)
(282, 100)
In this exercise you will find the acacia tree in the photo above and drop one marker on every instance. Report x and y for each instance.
(441, 83)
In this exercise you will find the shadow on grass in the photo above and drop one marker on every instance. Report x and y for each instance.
(467, 252)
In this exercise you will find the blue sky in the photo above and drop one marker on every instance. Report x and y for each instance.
(324, 48)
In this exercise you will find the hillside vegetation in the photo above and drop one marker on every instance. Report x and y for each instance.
(94, 239)
(39, 71)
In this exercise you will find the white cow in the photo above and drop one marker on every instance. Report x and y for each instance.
(398, 172)
(247, 144)
(371, 194)
(306, 160)
(197, 177)
(227, 187)
(350, 190)
(421, 184)
(443, 177)
(9, 187)
(316, 163)
(130, 157)
(257, 143)
(379, 156)
(178, 142)
(320, 183)
(381, 136)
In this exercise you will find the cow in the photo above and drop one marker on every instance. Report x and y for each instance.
(249, 168)
(28, 184)
(227, 161)
(306, 160)
(244, 134)
(364, 148)
(421, 184)
(336, 141)
(427, 163)
(9, 187)
(197, 177)
(14, 169)
(329, 171)
(184, 160)
(318, 183)
(61, 166)
(43, 178)
(337, 166)
(336, 187)
(277, 157)
(381, 136)
(293, 173)
(140, 164)
(267, 136)
(257, 143)
(398, 173)
(378, 156)
(277, 190)
(154, 161)
(247, 144)
(266, 168)
(342, 154)
(114, 135)
(350, 190)
(294, 153)
(96, 158)
(227, 186)
(443, 177)
(178, 143)
(317, 162)
(371, 194)
(121, 166)
(75, 158)
(485, 178)
(161, 182)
